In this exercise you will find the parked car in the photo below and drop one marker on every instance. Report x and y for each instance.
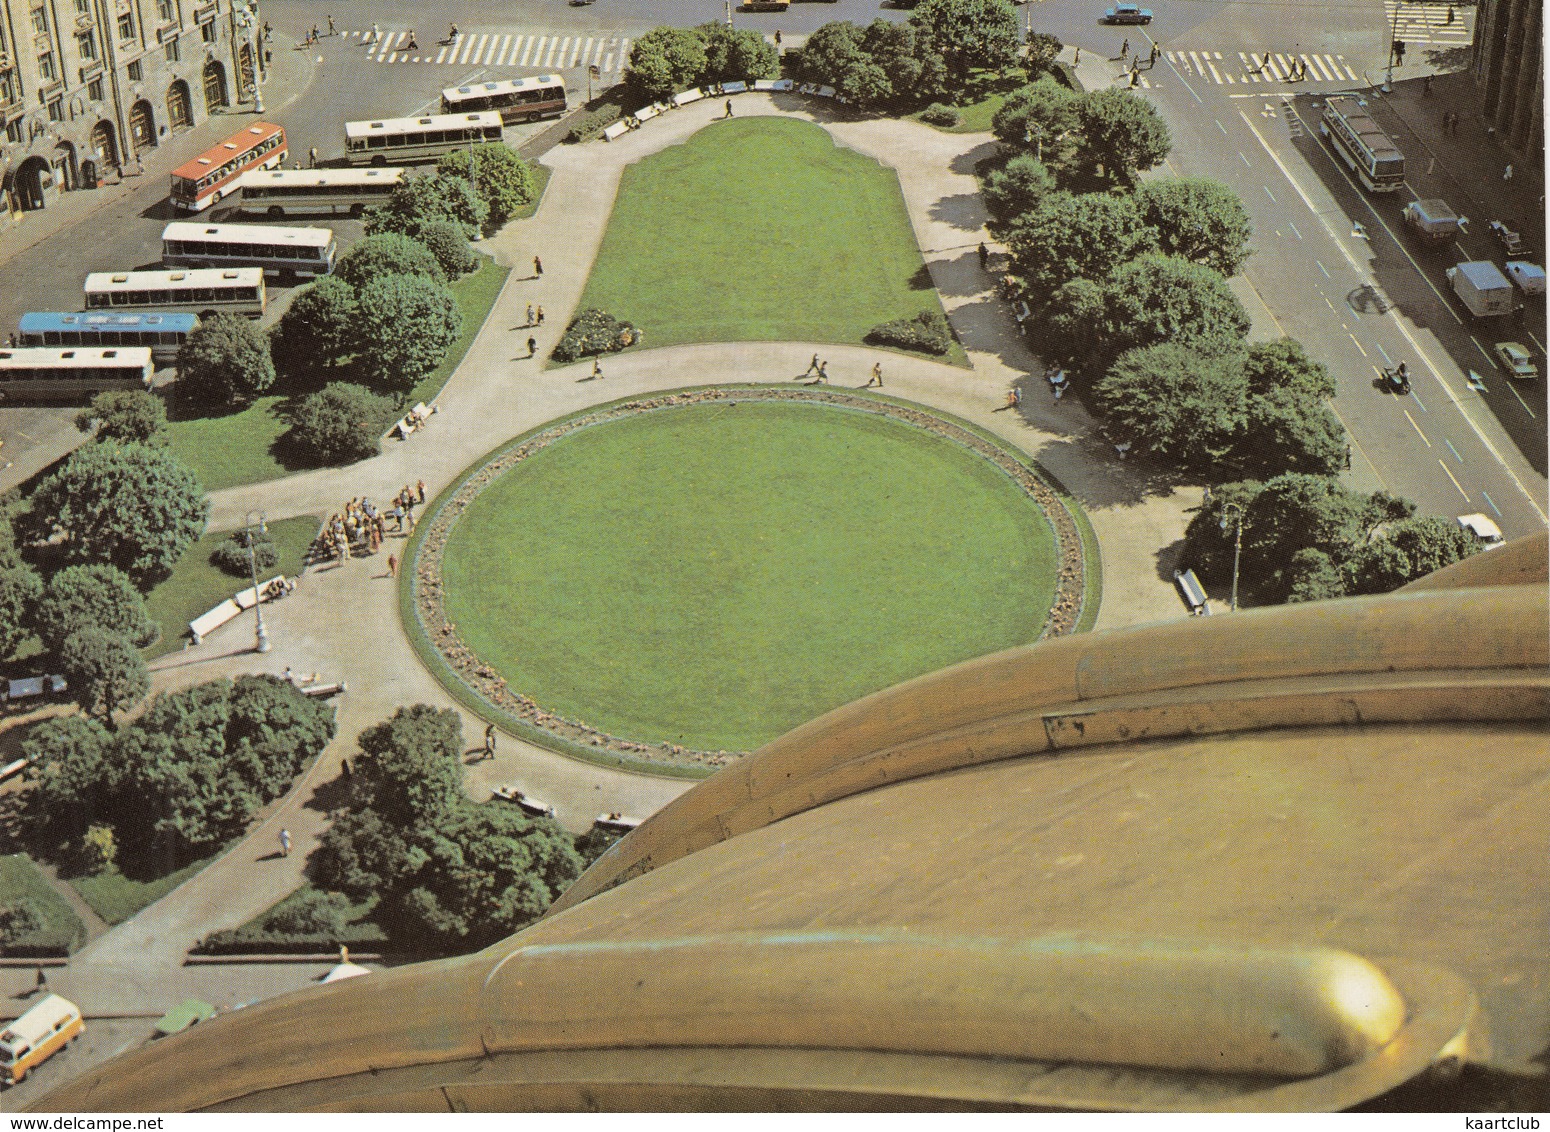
(1484, 528)
(1507, 237)
(1127, 14)
(1515, 358)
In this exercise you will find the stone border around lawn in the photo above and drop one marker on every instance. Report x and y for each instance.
(488, 684)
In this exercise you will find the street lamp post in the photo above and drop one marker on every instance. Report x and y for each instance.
(261, 644)
(1388, 78)
(1235, 510)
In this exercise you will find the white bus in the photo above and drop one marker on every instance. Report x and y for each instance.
(300, 252)
(394, 140)
(237, 290)
(36, 373)
(516, 100)
(279, 192)
(1362, 144)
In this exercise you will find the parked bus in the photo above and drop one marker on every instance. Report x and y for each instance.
(515, 100)
(37, 1035)
(163, 333)
(1362, 144)
(236, 290)
(417, 139)
(279, 192)
(302, 252)
(199, 183)
(72, 375)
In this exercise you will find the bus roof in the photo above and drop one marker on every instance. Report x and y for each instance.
(501, 86)
(71, 356)
(248, 234)
(258, 177)
(38, 322)
(1353, 112)
(38, 1022)
(190, 277)
(431, 122)
(217, 155)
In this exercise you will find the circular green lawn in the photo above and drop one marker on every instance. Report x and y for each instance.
(714, 575)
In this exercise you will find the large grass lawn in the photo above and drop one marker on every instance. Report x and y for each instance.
(226, 449)
(196, 585)
(717, 574)
(759, 229)
(61, 929)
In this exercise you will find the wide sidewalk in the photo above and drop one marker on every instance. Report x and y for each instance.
(343, 623)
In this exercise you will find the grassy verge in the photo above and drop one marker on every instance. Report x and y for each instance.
(541, 175)
(475, 294)
(61, 931)
(760, 229)
(115, 897)
(196, 585)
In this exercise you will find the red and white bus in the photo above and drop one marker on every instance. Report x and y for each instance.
(516, 100)
(199, 183)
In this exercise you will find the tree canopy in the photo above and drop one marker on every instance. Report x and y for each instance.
(20, 589)
(386, 253)
(421, 198)
(125, 415)
(317, 331)
(1016, 188)
(1175, 403)
(1405, 550)
(1162, 298)
(1198, 219)
(665, 61)
(883, 64)
(132, 505)
(1043, 50)
(1044, 109)
(104, 671)
(737, 54)
(1076, 236)
(1123, 133)
(406, 326)
(450, 247)
(341, 423)
(225, 358)
(96, 596)
(970, 34)
(501, 178)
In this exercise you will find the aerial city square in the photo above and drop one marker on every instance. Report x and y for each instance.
(804, 555)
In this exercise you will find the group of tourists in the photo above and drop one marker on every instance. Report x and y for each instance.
(362, 526)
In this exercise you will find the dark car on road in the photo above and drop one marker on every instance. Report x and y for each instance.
(1127, 14)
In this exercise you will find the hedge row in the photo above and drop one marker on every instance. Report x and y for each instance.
(927, 333)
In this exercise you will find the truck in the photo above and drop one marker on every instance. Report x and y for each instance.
(1482, 288)
(1432, 219)
(1529, 277)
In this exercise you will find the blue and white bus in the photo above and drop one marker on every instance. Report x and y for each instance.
(162, 332)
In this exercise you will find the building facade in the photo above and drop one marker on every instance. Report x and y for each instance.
(88, 87)
(1509, 71)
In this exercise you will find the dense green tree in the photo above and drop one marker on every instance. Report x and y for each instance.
(1176, 403)
(665, 61)
(125, 415)
(1044, 110)
(386, 253)
(737, 54)
(830, 53)
(317, 331)
(450, 247)
(908, 59)
(502, 179)
(1016, 188)
(1067, 236)
(1282, 363)
(1069, 324)
(225, 358)
(10, 551)
(340, 423)
(422, 198)
(1285, 430)
(971, 34)
(132, 505)
(1121, 132)
(1158, 298)
(1313, 576)
(1405, 550)
(407, 324)
(104, 671)
(96, 596)
(71, 774)
(20, 589)
(1043, 50)
(409, 770)
(1199, 219)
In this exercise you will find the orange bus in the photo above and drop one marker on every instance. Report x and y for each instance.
(199, 183)
(37, 1035)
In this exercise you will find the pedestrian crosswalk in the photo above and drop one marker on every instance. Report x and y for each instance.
(1274, 67)
(1449, 25)
(543, 50)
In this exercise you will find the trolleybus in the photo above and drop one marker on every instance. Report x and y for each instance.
(199, 183)
(161, 332)
(302, 252)
(515, 100)
(238, 290)
(39, 373)
(1362, 144)
(394, 140)
(279, 192)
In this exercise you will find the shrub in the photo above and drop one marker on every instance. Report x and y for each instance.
(98, 850)
(450, 247)
(585, 127)
(19, 918)
(232, 555)
(99, 595)
(310, 920)
(387, 253)
(927, 332)
(938, 115)
(312, 912)
(595, 332)
(340, 423)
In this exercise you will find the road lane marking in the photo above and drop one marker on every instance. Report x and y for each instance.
(1327, 275)
(1492, 502)
(1270, 194)
(1353, 337)
(1221, 127)
(1386, 359)
(1243, 159)
(1292, 226)
(1521, 401)
(1417, 428)
(1456, 483)
(1452, 449)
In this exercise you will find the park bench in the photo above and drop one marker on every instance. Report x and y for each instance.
(31, 686)
(1193, 592)
(613, 131)
(414, 419)
(616, 823)
(734, 88)
(212, 619)
(525, 802)
(683, 98)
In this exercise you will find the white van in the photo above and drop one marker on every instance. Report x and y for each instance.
(37, 1035)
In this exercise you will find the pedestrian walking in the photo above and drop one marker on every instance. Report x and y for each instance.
(729, 108)
(1152, 60)
(984, 254)
(314, 38)
(823, 371)
(419, 490)
(597, 368)
(1507, 173)
(1451, 14)
(1078, 60)
(42, 987)
(1135, 78)
(312, 157)
(413, 44)
(331, 30)
(285, 843)
(540, 307)
(529, 315)
(777, 35)
(532, 346)
(1125, 50)
(876, 378)
(1426, 86)
(538, 268)
(392, 566)
(812, 366)
(344, 769)
(1014, 398)
(489, 740)
(376, 34)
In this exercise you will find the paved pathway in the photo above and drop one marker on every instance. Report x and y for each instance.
(342, 620)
